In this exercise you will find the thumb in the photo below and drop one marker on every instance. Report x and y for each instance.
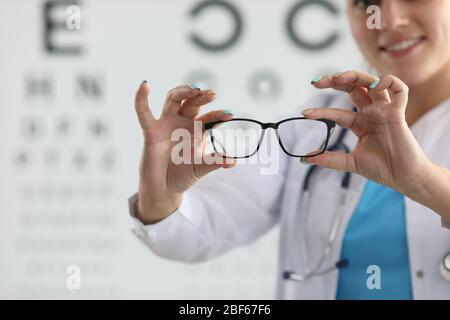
(142, 108)
(212, 162)
(334, 160)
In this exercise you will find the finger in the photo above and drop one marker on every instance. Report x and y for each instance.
(397, 89)
(191, 107)
(360, 97)
(141, 106)
(364, 78)
(343, 118)
(215, 115)
(345, 80)
(334, 160)
(349, 80)
(176, 96)
(212, 163)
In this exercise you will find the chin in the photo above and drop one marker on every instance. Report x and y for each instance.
(412, 81)
(411, 74)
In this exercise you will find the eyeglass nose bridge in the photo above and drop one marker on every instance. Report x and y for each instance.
(270, 125)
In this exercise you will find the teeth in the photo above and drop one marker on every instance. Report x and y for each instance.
(402, 45)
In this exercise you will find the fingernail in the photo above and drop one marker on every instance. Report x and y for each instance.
(144, 82)
(211, 92)
(316, 80)
(194, 87)
(228, 112)
(307, 112)
(374, 84)
(305, 161)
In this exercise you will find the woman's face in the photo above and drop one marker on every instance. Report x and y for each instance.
(413, 42)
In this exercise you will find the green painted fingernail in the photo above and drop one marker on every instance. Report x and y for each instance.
(316, 80)
(193, 86)
(228, 112)
(374, 84)
(304, 161)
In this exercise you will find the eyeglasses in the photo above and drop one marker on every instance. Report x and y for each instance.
(242, 138)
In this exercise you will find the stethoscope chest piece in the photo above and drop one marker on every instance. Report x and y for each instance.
(445, 266)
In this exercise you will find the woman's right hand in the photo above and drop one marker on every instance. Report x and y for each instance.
(162, 182)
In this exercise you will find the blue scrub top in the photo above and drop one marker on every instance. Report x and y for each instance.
(376, 236)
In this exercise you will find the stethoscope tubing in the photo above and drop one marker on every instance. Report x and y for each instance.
(337, 221)
(335, 227)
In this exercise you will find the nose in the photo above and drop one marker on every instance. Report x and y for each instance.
(394, 15)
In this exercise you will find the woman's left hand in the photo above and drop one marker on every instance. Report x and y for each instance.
(387, 151)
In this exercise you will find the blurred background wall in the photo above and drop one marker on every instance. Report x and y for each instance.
(70, 142)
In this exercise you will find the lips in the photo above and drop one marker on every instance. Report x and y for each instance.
(403, 46)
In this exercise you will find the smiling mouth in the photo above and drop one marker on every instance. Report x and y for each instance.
(402, 47)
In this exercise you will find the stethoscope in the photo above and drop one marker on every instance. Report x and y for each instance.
(319, 269)
(445, 266)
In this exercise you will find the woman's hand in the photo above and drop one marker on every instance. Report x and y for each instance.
(387, 151)
(162, 182)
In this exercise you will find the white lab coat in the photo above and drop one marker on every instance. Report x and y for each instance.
(233, 207)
